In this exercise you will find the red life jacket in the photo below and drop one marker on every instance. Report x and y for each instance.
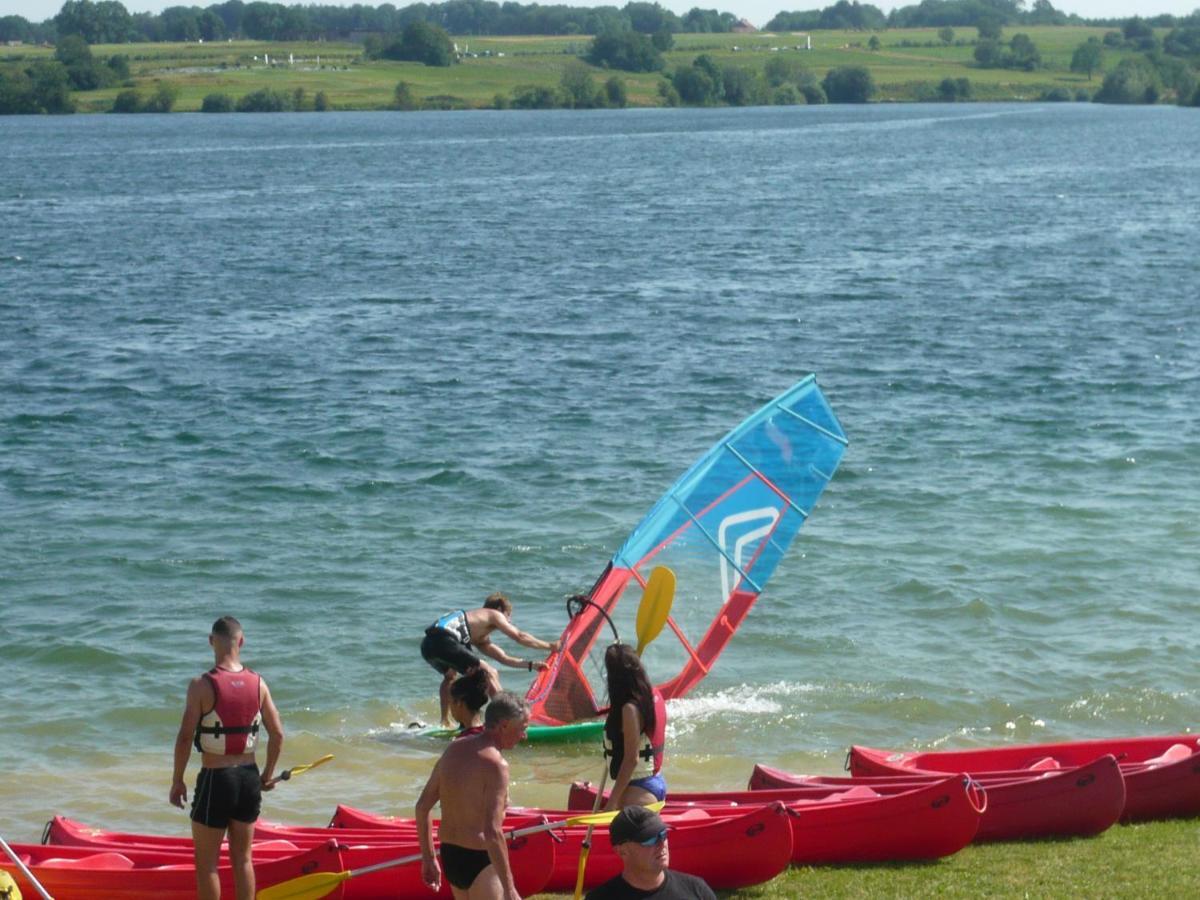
(653, 749)
(231, 726)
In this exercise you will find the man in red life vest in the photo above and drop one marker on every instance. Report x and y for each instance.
(224, 711)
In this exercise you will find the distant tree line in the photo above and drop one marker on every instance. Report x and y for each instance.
(851, 15)
(109, 22)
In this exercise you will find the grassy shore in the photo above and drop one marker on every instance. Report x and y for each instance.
(907, 64)
(1151, 860)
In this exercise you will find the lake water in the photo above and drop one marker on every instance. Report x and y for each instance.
(335, 374)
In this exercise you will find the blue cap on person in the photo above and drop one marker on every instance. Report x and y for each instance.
(636, 823)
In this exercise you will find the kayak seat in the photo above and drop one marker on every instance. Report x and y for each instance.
(107, 862)
(1174, 753)
(859, 792)
(1044, 764)
(275, 844)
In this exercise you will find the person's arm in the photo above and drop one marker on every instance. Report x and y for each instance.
(631, 738)
(193, 709)
(524, 638)
(431, 874)
(487, 648)
(274, 725)
(496, 796)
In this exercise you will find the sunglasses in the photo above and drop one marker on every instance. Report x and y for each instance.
(655, 840)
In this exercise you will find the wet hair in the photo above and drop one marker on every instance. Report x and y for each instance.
(227, 627)
(628, 683)
(498, 601)
(471, 689)
(504, 706)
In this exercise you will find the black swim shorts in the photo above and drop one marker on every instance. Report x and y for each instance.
(233, 792)
(444, 651)
(463, 865)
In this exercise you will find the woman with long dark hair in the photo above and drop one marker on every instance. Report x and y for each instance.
(468, 696)
(634, 731)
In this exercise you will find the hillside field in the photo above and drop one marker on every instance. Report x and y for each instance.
(906, 65)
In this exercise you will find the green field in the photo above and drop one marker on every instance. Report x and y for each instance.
(907, 63)
(1152, 860)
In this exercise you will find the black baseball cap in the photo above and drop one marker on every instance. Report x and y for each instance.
(635, 823)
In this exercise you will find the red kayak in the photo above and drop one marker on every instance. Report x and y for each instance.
(1162, 774)
(1078, 802)
(737, 850)
(531, 856)
(94, 872)
(853, 825)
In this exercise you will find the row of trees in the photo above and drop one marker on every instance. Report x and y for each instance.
(850, 15)
(108, 21)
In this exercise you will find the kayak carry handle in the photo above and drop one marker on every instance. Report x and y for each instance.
(976, 794)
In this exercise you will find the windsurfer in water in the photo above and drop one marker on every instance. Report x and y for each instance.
(450, 645)
(634, 732)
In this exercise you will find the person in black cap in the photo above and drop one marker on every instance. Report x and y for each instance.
(639, 838)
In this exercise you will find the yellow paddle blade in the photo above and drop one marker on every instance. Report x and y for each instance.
(655, 606)
(603, 818)
(299, 770)
(306, 887)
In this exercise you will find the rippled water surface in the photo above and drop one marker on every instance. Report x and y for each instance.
(336, 373)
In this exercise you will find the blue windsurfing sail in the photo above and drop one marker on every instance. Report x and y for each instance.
(723, 528)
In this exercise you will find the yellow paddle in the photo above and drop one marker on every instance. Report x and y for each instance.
(300, 770)
(655, 606)
(320, 884)
(651, 617)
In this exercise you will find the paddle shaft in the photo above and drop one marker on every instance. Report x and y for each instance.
(24, 869)
(508, 836)
(286, 774)
(587, 838)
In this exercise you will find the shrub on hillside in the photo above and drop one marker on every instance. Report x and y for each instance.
(1132, 81)
(264, 100)
(216, 103)
(627, 50)
(849, 84)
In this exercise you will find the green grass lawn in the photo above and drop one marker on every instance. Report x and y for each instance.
(1152, 860)
(904, 67)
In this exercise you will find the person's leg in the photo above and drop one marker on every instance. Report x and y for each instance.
(241, 841)
(486, 886)
(444, 696)
(207, 842)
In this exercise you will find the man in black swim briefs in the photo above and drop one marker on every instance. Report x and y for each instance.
(451, 643)
(470, 782)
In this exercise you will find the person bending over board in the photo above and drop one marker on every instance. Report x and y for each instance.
(634, 732)
(451, 643)
(222, 715)
(470, 781)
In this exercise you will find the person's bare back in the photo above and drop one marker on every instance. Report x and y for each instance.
(472, 774)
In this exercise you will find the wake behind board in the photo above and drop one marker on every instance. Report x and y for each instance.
(575, 732)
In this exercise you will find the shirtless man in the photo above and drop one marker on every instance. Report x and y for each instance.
(224, 710)
(451, 642)
(471, 783)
